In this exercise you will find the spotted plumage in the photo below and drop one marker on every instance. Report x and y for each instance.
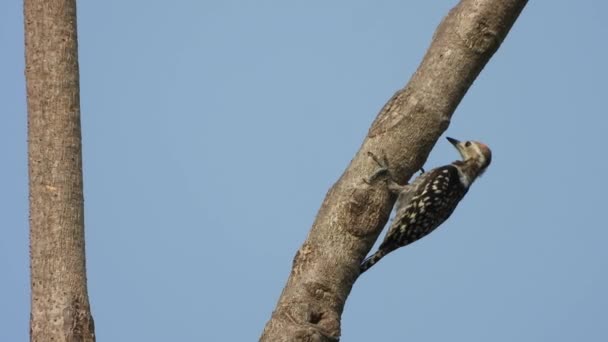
(425, 204)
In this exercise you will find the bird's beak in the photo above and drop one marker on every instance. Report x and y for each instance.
(453, 141)
(458, 146)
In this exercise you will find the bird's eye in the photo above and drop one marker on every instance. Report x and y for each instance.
(467, 144)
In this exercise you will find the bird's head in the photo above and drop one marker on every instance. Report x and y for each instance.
(473, 151)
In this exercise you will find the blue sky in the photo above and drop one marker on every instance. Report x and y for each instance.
(213, 129)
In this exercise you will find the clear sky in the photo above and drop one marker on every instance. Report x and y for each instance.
(213, 129)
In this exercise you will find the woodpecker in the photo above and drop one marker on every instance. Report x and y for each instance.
(427, 202)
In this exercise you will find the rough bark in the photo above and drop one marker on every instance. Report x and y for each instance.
(354, 213)
(59, 302)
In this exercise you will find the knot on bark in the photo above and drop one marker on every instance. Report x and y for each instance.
(314, 321)
(78, 322)
(480, 38)
(302, 257)
(364, 217)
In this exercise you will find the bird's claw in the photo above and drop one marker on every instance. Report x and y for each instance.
(382, 171)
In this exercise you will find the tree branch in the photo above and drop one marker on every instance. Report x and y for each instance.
(60, 309)
(406, 129)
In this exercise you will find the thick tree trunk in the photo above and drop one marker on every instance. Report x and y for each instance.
(60, 305)
(353, 213)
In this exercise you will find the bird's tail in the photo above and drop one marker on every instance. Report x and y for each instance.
(372, 260)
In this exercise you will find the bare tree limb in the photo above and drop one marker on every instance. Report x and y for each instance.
(59, 304)
(353, 213)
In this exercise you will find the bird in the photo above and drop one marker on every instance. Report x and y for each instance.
(430, 199)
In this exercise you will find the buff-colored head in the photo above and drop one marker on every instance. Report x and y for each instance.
(474, 151)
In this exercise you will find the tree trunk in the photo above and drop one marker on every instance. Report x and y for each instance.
(59, 303)
(354, 213)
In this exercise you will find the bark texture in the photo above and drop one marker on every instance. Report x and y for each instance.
(59, 301)
(406, 129)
